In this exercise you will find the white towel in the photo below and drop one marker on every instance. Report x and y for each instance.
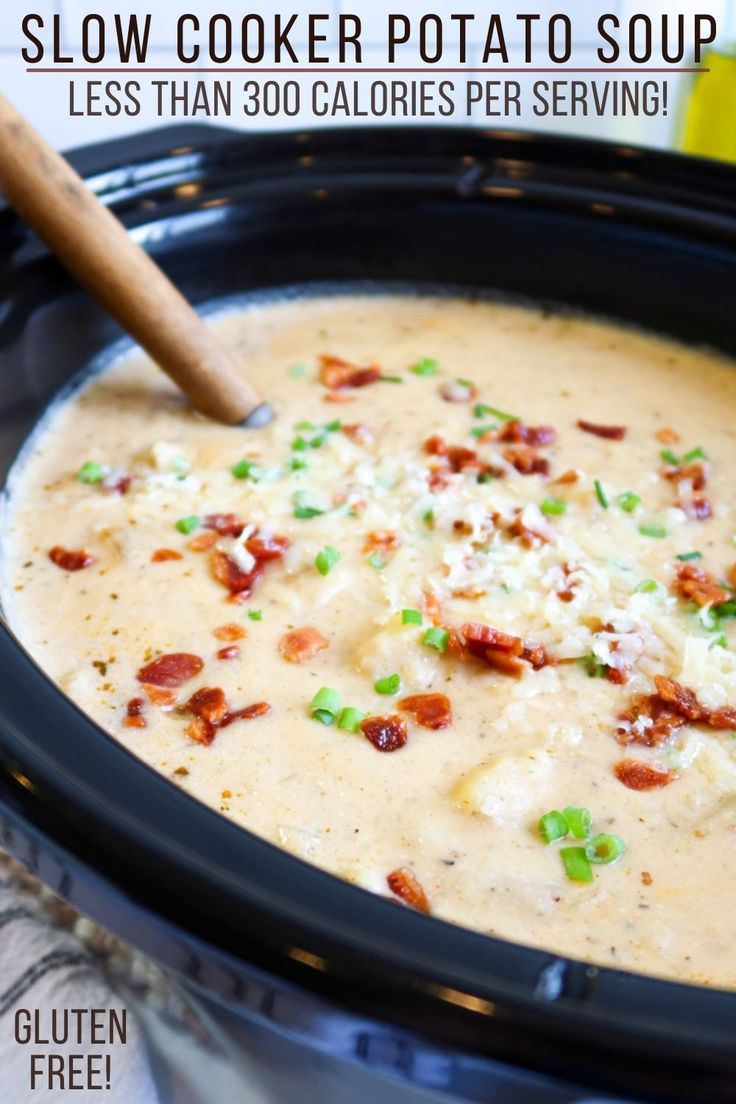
(43, 969)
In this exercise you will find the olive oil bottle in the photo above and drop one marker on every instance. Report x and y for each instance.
(709, 122)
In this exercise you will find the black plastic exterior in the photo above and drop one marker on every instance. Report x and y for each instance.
(644, 237)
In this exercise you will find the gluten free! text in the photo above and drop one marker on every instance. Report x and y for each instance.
(68, 1047)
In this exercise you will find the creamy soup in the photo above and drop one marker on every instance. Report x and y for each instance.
(455, 626)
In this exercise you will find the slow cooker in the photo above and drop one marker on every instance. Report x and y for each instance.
(321, 990)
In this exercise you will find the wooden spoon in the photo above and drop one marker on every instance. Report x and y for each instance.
(44, 189)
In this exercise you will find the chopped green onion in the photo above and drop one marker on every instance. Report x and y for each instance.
(579, 821)
(350, 718)
(485, 477)
(725, 609)
(299, 444)
(553, 826)
(481, 430)
(325, 560)
(375, 561)
(428, 517)
(437, 639)
(552, 507)
(576, 864)
(389, 685)
(708, 618)
(628, 501)
(464, 382)
(652, 531)
(318, 441)
(255, 615)
(427, 366)
(647, 586)
(411, 617)
(298, 463)
(91, 472)
(482, 410)
(333, 427)
(720, 641)
(605, 849)
(297, 371)
(391, 379)
(669, 456)
(301, 510)
(324, 705)
(685, 557)
(187, 525)
(301, 427)
(593, 666)
(698, 453)
(600, 494)
(243, 469)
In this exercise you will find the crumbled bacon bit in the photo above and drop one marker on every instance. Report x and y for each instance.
(337, 373)
(381, 540)
(667, 436)
(202, 542)
(231, 631)
(456, 457)
(248, 713)
(680, 698)
(70, 559)
(161, 555)
(302, 645)
(157, 695)
(432, 606)
(567, 593)
(266, 548)
(640, 776)
(531, 527)
(646, 878)
(429, 710)
(438, 480)
(572, 475)
(696, 474)
(232, 651)
(209, 703)
(119, 483)
(515, 432)
(385, 733)
(134, 717)
(404, 884)
(360, 434)
(697, 585)
(170, 670)
(725, 717)
(201, 731)
(338, 397)
(501, 651)
(225, 525)
(225, 570)
(455, 391)
(651, 719)
(526, 460)
(610, 432)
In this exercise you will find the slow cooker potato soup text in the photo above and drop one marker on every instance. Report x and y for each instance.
(455, 627)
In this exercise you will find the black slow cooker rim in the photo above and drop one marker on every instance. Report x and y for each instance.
(160, 847)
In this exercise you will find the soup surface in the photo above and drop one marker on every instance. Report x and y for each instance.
(477, 571)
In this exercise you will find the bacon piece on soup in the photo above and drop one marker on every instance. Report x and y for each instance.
(226, 525)
(505, 653)
(572, 475)
(247, 713)
(515, 432)
(667, 436)
(230, 632)
(117, 483)
(360, 434)
(201, 731)
(232, 651)
(209, 703)
(134, 714)
(385, 733)
(225, 570)
(381, 540)
(202, 542)
(429, 710)
(404, 884)
(266, 548)
(696, 474)
(526, 460)
(337, 373)
(640, 776)
(725, 717)
(159, 695)
(71, 559)
(171, 670)
(302, 645)
(697, 585)
(609, 432)
(679, 698)
(161, 555)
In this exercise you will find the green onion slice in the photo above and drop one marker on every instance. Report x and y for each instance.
(482, 410)
(600, 494)
(553, 826)
(685, 557)
(698, 453)
(325, 560)
(553, 507)
(579, 821)
(647, 586)
(187, 525)
(350, 718)
(389, 685)
(375, 561)
(411, 617)
(91, 472)
(427, 366)
(605, 849)
(669, 457)
(655, 531)
(255, 615)
(576, 863)
(628, 501)
(301, 510)
(243, 469)
(437, 639)
(325, 705)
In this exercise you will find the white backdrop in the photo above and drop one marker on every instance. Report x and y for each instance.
(45, 98)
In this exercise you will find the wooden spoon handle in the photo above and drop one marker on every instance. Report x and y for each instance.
(44, 189)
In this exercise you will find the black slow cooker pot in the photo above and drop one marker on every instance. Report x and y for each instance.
(326, 991)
